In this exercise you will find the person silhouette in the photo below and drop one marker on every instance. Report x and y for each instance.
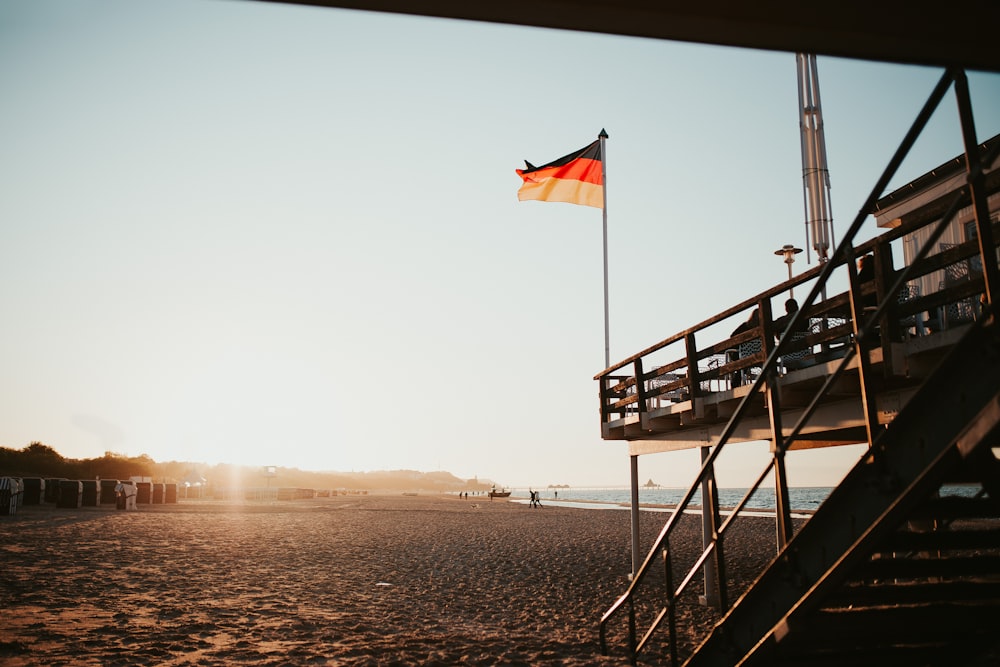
(747, 348)
(791, 307)
(751, 323)
(866, 274)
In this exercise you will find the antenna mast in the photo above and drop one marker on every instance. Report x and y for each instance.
(815, 173)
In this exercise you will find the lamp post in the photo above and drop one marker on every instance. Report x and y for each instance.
(789, 252)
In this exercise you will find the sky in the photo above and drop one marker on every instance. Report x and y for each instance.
(243, 232)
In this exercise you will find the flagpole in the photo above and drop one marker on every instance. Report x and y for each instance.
(633, 460)
(603, 136)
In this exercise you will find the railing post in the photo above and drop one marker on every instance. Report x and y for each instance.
(889, 323)
(710, 533)
(984, 231)
(640, 389)
(602, 391)
(782, 503)
(694, 375)
(608, 399)
(668, 578)
(782, 514)
(864, 360)
(633, 641)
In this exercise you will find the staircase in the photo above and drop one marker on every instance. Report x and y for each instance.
(928, 596)
(886, 572)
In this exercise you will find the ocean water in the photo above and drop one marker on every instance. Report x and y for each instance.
(801, 498)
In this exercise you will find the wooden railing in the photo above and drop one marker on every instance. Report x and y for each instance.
(627, 387)
(662, 372)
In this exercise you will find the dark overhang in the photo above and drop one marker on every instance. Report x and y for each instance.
(961, 33)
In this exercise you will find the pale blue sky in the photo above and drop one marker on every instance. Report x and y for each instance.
(247, 232)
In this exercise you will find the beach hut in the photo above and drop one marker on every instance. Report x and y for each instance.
(52, 489)
(11, 492)
(34, 490)
(70, 494)
(91, 493)
(108, 495)
(145, 493)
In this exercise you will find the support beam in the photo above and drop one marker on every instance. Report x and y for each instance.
(636, 547)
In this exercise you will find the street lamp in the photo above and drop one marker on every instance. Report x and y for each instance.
(789, 252)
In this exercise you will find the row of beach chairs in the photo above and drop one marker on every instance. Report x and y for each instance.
(16, 492)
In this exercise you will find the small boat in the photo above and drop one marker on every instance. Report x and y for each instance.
(499, 494)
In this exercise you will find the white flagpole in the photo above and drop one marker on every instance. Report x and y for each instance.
(603, 136)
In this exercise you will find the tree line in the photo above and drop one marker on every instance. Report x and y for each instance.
(39, 460)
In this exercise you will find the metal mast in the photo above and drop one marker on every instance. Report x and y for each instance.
(815, 173)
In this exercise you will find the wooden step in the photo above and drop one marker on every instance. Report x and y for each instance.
(949, 539)
(941, 567)
(897, 626)
(943, 654)
(982, 590)
(955, 507)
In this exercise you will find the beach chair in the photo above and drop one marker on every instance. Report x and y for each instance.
(747, 349)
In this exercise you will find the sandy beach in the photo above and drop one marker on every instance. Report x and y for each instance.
(349, 580)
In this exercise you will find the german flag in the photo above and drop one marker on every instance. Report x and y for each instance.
(574, 179)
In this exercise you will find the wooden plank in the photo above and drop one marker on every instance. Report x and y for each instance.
(917, 567)
(868, 595)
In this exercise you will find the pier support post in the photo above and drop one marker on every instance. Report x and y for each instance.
(636, 549)
(709, 532)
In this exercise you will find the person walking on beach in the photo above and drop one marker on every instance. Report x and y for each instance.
(119, 495)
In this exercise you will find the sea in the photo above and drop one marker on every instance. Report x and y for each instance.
(661, 499)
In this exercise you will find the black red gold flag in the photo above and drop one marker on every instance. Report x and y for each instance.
(576, 178)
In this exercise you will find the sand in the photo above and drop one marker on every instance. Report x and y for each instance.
(350, 580)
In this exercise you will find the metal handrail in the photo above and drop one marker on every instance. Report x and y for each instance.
(863, 327)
